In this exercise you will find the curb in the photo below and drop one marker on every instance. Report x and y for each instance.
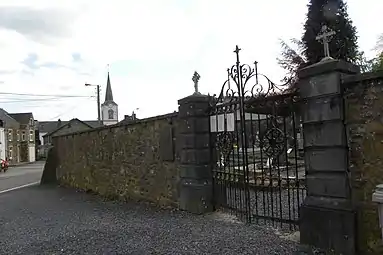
(23, 163)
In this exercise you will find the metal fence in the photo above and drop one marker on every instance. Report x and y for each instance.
(257, 143)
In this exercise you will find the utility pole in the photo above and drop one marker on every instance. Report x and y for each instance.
(98, 102)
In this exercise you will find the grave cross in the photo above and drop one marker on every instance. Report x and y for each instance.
(195, 79)
(325, 37)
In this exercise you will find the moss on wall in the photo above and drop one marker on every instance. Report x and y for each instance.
(120, 162)
(364, 118)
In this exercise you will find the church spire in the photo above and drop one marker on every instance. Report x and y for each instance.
(109, 93)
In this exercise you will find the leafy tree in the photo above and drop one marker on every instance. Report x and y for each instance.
(377, 63)
(292, 59)
(366, 65)
(332, 13)
(309, 50)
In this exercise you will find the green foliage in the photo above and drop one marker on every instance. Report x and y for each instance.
(292, 59)
(377, 63)
(308, 50)
(366, 65)
(332, 13)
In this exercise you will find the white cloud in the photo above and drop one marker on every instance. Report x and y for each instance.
(153, 48)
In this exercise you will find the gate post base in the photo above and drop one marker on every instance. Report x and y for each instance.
(196, 191)
(328, 228)
(196, 196)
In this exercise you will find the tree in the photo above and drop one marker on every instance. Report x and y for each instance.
(291, 59)
(332, 13)
(366, 65)
(308, 50)
(377, 63)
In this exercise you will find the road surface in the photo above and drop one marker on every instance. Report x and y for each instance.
(22, 175)
(47, 220)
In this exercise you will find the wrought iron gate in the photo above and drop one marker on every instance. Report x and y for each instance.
(257, 146)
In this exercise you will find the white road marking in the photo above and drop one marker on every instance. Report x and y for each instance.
(19, 187)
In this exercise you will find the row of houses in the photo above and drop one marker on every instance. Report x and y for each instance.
(24, 139)
(49, 129)
(17, 137)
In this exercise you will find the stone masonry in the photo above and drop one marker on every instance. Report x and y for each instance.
(327, 218)
(123, 162)
(196, 190)
(364, 119)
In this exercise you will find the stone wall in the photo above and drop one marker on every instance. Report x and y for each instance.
(364, 120)
(128, 162)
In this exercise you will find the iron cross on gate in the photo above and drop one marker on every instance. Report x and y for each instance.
(325, 37)
(195, 79)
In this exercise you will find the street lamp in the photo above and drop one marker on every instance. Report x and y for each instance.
(98, 101)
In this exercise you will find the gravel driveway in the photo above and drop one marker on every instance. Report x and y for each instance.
(48, 220)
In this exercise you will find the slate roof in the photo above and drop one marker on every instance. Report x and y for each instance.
(9, 122)
(22, 118)
(109, 93)
(51, 126)
(67, 122)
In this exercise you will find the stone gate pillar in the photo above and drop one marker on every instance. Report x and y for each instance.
(195, 155)
(327, 217)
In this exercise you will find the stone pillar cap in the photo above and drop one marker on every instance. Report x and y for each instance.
(377, 196)
(328, 66)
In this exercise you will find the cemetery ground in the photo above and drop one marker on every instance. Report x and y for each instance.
(54, 220)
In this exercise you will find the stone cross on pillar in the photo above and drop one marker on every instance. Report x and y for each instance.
(325, 37)
(195, 79)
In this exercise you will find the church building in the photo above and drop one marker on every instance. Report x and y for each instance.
(109, 109)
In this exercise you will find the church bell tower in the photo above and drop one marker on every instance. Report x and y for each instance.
(109, 109)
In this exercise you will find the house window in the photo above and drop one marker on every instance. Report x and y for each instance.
(23, 136)
(31, 136)
(31, 122)
(10, 134)
(111, 113)
(10, 153)
(18, 135)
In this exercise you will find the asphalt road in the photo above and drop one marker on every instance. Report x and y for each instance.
(38, 220)
(21, 175)
(41, 220)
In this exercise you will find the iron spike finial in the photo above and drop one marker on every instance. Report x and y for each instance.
(256, 71)
(237, 49)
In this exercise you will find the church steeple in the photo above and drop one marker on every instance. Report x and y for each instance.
(109, 93)
(109, 109)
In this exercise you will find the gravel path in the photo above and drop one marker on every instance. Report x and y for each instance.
(48, 220)
(278, 204)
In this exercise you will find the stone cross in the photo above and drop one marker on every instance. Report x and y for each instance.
(195, 79)
(325, 37)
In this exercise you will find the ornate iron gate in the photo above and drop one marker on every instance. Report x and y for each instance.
(257, 143)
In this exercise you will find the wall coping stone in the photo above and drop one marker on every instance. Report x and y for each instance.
(140, 121)
(328, 67)
(364, 77)
(194, 98)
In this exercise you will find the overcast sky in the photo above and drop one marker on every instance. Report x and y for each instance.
(153, 47)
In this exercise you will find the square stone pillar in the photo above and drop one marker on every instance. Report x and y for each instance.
(327, 216)
(196, 191)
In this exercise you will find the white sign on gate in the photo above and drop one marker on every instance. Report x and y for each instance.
(222, 122)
